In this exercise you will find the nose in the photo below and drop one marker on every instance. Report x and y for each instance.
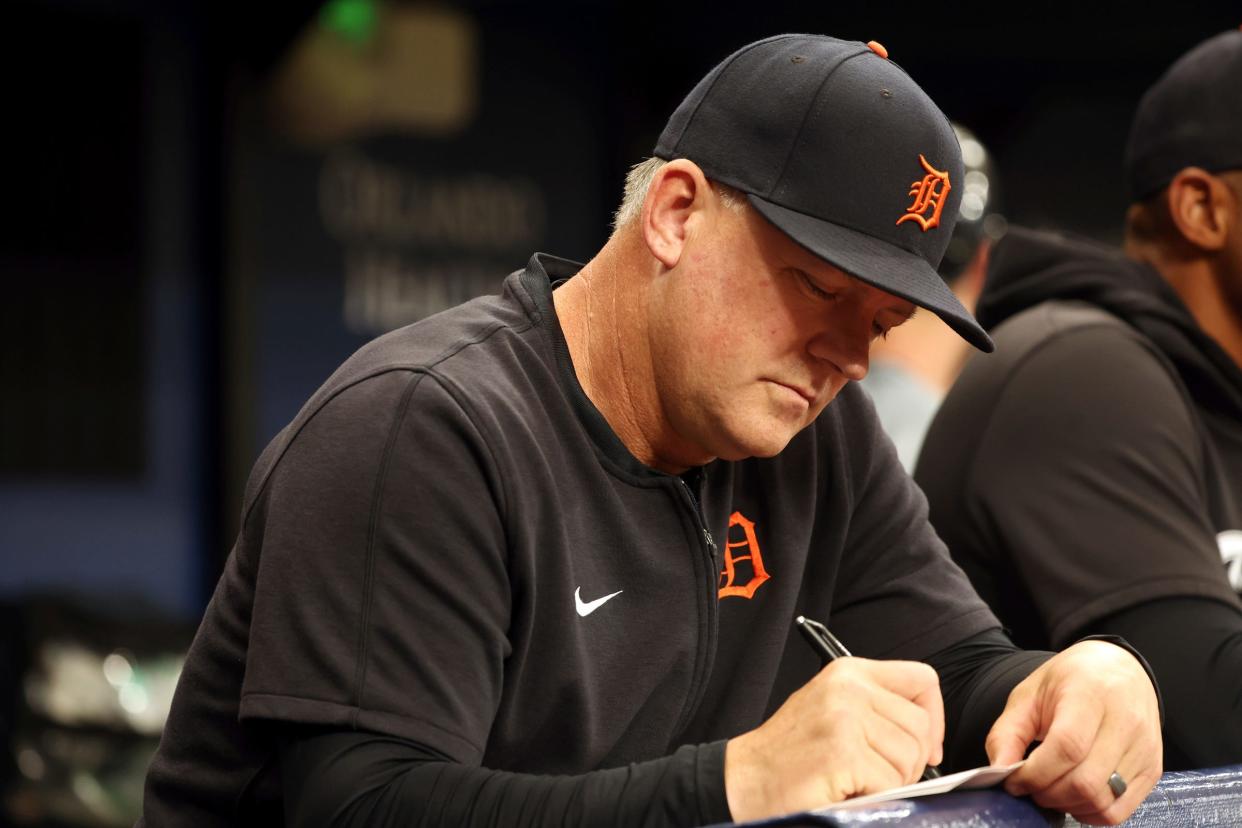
(848, 351)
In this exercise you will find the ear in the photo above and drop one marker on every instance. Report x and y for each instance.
(678, 192)
(1201, 208)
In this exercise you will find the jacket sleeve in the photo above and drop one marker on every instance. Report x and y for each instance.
(352, 778)
(381, 597)
(1195, 646)
(355, 778)
(976, 677)
(345, 778)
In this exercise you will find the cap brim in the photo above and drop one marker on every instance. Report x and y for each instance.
(878, 263)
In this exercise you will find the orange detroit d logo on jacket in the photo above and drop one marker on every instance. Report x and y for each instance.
(929, 193)
(742, 547)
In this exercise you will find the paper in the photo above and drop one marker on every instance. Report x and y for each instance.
(984, 777)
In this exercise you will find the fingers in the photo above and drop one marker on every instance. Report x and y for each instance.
(932, 701)
(917, 683)
(871, 773)
(1070, 742)
(900, 735)
(1085, 792)
(1082, 788)
(908, 679)
(1095, 711)
(858, 727)
(1017, 727)
(908, 734)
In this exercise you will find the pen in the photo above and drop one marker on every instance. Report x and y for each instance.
(830, 648)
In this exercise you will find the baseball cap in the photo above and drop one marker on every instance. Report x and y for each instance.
(835, 145)
(1191, 117)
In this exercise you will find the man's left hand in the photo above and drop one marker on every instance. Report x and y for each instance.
(1094, 710)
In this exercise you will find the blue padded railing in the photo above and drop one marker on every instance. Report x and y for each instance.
(1209, 797)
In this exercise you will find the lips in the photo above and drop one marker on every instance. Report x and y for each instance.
(809, 396)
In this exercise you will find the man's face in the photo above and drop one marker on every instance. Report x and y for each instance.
(755, 335)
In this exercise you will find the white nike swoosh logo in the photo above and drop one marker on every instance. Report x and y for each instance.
(585, 609)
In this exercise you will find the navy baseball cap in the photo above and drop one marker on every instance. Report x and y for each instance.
(835, 145)
(1191, 117)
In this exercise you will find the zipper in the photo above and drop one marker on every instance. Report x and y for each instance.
(698, 512)
(707, 649)
(700, 521)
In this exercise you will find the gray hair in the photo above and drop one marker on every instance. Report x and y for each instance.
(638, 181)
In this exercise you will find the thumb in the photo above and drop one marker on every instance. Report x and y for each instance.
(1016, 728)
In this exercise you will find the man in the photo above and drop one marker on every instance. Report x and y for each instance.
(915, 366)
(1089, 478)
(536, 560)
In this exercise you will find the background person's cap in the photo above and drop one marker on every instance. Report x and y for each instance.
(1191, 117)
(840, 149)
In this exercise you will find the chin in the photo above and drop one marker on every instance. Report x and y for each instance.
(767, 444)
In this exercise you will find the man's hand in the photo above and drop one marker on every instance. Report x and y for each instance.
(858, 727)
(1095, 711)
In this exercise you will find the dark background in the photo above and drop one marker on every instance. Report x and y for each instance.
(171, 292)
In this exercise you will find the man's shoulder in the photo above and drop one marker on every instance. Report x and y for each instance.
(1061, 346)
(495, 348)
(492, 347)
(473, 336)
(1061, 341)
(1063, 373)
(1042, 323)
(489, 354)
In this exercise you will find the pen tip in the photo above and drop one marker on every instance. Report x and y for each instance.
(801, 619)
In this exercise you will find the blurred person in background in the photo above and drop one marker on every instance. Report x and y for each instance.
(913, 367)
(1088, 477)
(536, 559)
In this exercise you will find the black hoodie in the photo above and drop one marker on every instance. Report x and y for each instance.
(1088, 476)
(1029, 268)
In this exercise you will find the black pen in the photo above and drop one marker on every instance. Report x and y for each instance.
(830, 648)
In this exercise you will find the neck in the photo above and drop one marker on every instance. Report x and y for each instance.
(602, 312)
(1203, 289)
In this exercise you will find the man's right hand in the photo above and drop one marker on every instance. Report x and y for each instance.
(858, 727)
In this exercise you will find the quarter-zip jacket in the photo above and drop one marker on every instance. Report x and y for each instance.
(415, 544)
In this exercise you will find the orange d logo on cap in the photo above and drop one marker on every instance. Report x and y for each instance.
(929, 194)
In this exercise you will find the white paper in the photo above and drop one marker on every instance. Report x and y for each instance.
(984, 777)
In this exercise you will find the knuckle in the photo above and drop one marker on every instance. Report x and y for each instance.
(993, 742)
(905, 767)
(844, 693)
(1073, 746)
(1082, 789)
(892, 778)
(926, 673)
(1132, 721)
(922, 727)
(1102, 802)
(840, 672)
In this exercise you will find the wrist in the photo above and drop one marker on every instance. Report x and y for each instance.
(1118, 641)
(744, 792)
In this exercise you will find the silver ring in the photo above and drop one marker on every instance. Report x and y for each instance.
(1116, 784)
